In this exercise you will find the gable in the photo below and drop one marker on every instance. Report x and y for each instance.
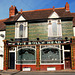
(54, 15)
(21, 18)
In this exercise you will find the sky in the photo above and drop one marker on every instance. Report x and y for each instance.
(26, 5)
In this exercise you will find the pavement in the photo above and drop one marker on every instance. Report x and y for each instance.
(15, 72)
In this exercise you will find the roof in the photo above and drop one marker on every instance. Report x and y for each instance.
(73, 14)
(40, 14)
(2, 24)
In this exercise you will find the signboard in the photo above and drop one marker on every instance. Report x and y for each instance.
(37, 42)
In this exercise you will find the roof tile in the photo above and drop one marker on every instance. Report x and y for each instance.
(40, 14)
(2, 24)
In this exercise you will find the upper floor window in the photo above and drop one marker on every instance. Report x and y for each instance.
(21, 30)
(54, 28)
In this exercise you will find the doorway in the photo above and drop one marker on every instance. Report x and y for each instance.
(12, 60)
(67, 53)
(67, 60)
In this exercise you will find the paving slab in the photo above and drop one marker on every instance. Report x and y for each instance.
(13, 72)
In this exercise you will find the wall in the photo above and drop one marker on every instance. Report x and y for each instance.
(73, 53)
(1, 49)
(38, 30)
(74, 31)
(67, 29)
(10, 32)
(42, 67)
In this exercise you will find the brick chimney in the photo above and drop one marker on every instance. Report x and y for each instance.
(67, 6)
(12, 11)
(53, 8)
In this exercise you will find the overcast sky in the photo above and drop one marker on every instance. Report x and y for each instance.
(32, 5)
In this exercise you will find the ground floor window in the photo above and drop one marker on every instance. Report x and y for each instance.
(26, 56)
(51, 55)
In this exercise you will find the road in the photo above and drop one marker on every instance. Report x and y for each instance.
(40, 73)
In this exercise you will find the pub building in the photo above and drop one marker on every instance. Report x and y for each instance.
(39, 40)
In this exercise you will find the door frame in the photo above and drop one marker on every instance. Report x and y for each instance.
(68, 59)
(9, 58)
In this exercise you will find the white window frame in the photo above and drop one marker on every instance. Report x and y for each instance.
(25, 32)
(50, 63)
(26, 63)
(59, 32)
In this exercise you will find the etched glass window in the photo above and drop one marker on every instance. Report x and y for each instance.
(50, 55)
(26, 55)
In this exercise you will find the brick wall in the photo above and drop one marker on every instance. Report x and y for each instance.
(67, 29)
(38, 30)
(10, 32)
(73, 53)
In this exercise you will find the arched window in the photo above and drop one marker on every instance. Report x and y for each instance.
(25, 56)
(21, 31)
(54, 29)
(50, 55)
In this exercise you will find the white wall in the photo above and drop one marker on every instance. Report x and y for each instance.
(74, 31)
(54, 15)
(2, 49)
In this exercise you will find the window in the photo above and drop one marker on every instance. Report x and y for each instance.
(26, 55)
(51, 55)
(21, 30)
(54, 29)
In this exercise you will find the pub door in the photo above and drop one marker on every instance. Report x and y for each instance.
(12, 60)
(67, 60)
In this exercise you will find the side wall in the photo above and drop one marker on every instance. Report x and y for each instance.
(2, 49)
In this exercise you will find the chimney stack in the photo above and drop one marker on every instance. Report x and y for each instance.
(67, 6)
(53, 8)
(21, 11)
(12, 11)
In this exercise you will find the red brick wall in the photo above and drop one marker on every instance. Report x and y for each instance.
(37, 57)
(42, 67)
(67, 6)
(58, 67)
(73, 53)
(33, 67)
(12, 11)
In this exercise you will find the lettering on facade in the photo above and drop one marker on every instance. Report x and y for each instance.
(39, 42)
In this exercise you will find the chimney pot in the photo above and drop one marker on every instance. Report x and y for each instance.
(12, 11)
(11, 5)
(21, 11)
(67, 6)
(53, 8)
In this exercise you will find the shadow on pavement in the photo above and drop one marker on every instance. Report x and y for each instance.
(15, 73)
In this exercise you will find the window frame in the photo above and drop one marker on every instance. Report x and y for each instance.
(52, 46)
(50, 31)
(17, 29)
(26, 47)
